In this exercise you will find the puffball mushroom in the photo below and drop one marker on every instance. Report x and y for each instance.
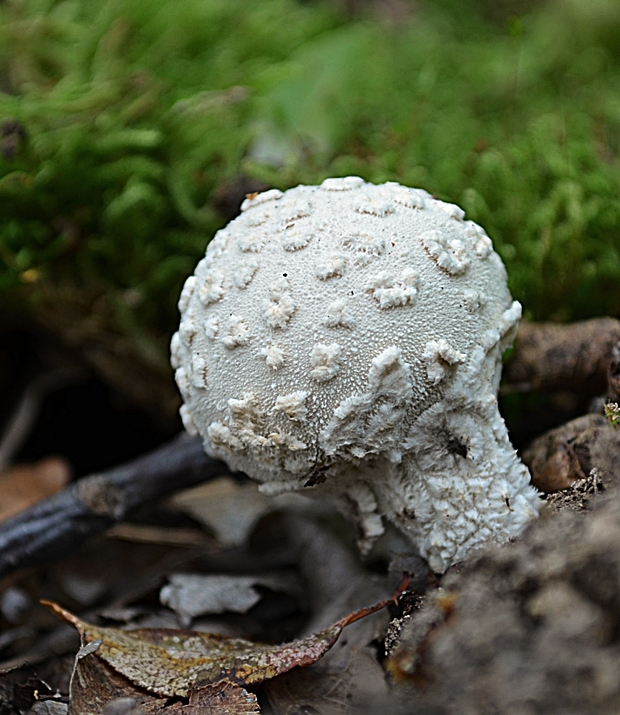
(346, 339)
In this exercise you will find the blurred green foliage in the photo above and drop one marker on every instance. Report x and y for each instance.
(121, 118)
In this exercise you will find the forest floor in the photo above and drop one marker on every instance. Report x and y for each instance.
(528, 627)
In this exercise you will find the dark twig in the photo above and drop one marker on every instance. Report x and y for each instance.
(56, 526)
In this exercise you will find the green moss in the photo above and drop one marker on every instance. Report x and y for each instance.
(122, 117)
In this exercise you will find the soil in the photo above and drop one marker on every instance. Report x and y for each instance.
(532, 627)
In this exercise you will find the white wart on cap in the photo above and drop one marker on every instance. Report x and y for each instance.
(346, 339)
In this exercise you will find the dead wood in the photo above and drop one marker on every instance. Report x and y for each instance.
(550, 356)
(563, 455)
(57, 526)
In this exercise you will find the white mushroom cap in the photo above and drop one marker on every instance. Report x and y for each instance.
(347, 338)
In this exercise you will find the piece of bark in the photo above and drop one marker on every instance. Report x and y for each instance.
(552, 459)
(552, 356)
(563, 455)
(58, 525)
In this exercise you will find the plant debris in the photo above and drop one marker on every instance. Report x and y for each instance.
(231, 509)
(191, 595)
(612, 412)
(170, 663)
(23, 485)
(578, 497)
(559, 457)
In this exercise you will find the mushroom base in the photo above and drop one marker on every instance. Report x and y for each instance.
(455, 483)
(464, 486)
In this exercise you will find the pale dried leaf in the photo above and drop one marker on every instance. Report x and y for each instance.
(231, 510)
(48, 707)
(191, 595)
(358, 687)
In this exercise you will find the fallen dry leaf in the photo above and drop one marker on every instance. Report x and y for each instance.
(190, 595)
(231, 509)
(348, 678)
(94, 684)
(96, 688)
(173, 663)
(22, 486)
(219, 699)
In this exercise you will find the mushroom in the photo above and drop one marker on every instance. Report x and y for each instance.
(346, 339)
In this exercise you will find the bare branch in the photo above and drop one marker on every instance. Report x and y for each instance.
(56, 526)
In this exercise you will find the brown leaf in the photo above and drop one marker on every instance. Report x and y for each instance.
(94, 684)
(169, 662)
(22, 486)
(221, 699)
